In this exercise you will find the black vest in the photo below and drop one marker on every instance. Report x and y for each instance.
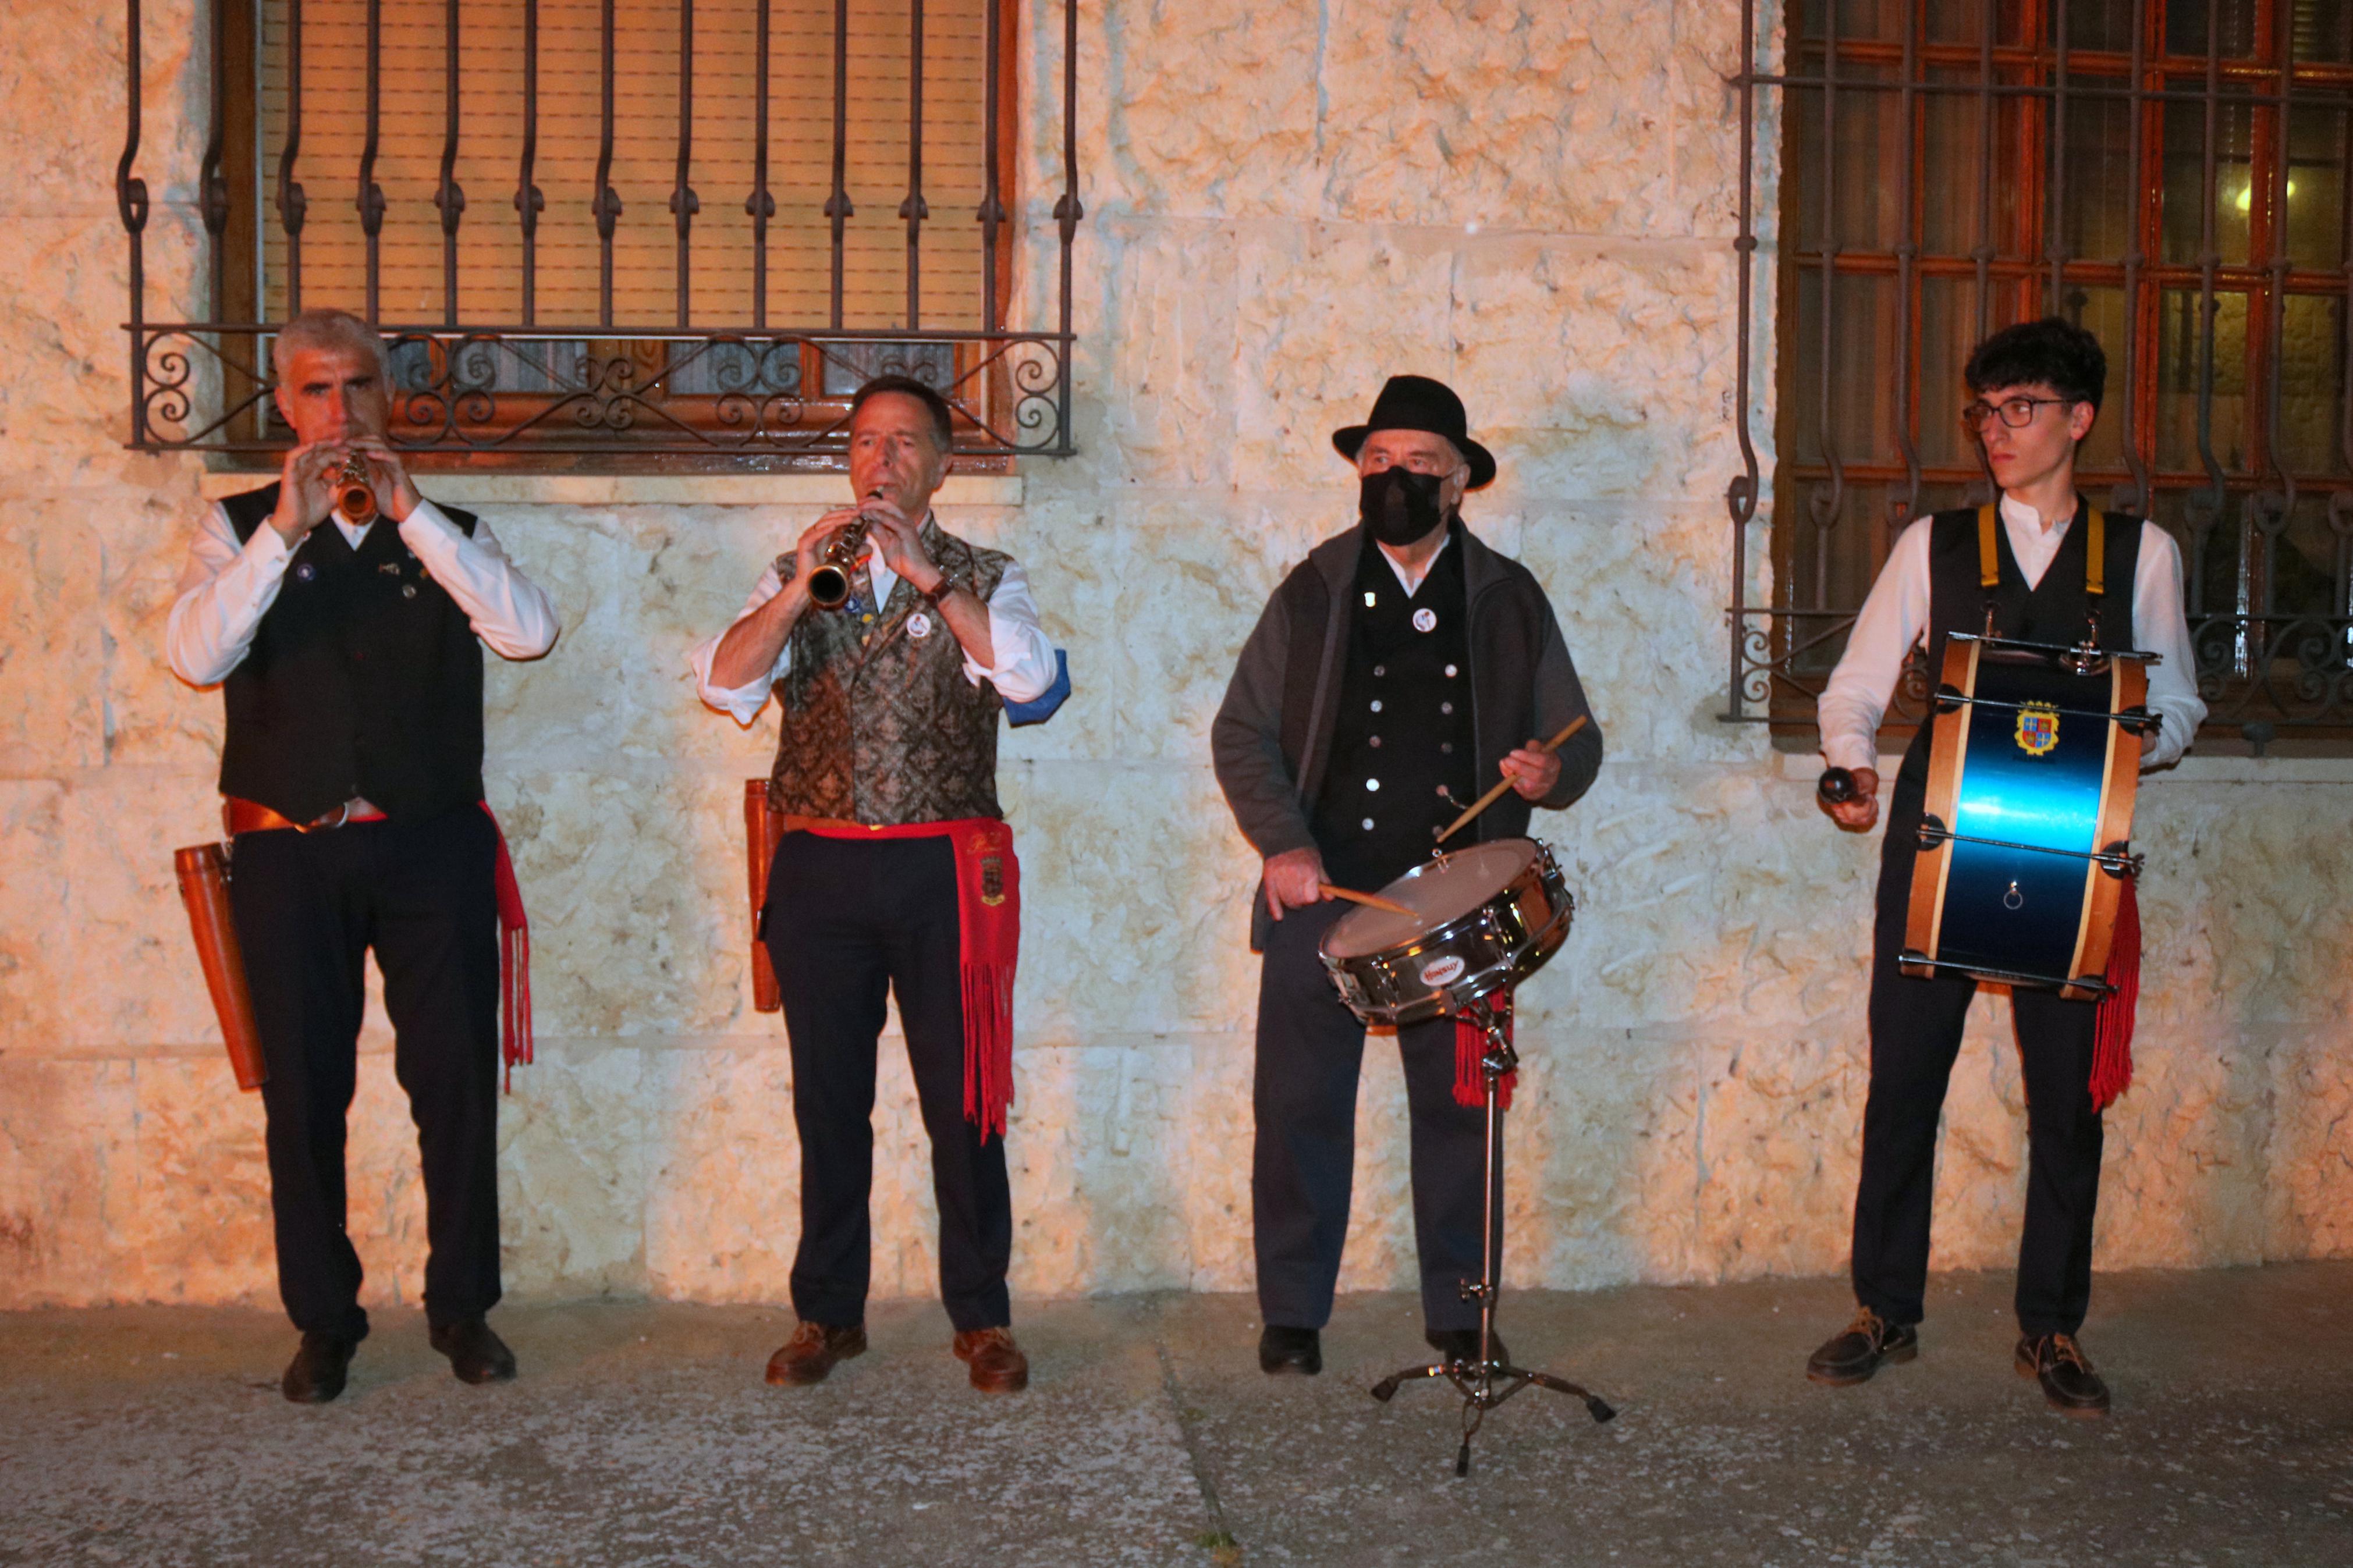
(2054, 610)
(1404, 724)
(364, 679)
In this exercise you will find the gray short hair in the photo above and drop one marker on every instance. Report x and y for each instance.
(325, 327)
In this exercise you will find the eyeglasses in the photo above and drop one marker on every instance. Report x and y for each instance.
(2017, 413)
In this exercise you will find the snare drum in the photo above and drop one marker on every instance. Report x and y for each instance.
(1485, 918)
(2026, 832)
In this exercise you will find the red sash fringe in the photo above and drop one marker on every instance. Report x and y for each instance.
(2112, 1065)
(988, 907)
(514, 959)
(1470, 1047)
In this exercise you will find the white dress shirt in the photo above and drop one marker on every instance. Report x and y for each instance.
(1895, 616)
(1411, 582)
(1024, 664)
(226, 588)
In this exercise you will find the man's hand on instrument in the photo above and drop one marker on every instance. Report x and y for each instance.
(1532, 770)
(810, 548)
(306, 490)
(1294, 879)
(901, 543)
(1861, 814)
(395, 493)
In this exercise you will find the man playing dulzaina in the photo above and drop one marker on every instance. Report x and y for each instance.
(2037, 391)
(895, 871)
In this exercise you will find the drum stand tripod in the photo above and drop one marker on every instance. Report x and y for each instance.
(1491, 1380)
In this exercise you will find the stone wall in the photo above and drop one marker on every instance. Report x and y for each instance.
(1284, 203)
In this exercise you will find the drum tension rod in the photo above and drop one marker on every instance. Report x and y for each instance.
(2137, 720)
(2119, 862)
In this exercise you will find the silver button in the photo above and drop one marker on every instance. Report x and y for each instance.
(1377, 704)
(1450, 672)
(1446, 747)
(1446, 707)
(1375, 743)
(1369, 821)
(1381, 670)
(1372, 783)
(408, 590)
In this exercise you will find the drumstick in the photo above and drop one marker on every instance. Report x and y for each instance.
(1371, 901)
(1493, 795)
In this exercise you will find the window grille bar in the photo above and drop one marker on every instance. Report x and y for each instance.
(2054, 249)
(447, 196)
(684, 203)
(837, 206)
(212, 184)
(2145, 215)
(1067, 210)
(913, 209)
(1752, 646)
(2206, 510)
(992, 207)
(130, 202)
(530, 201)
(1987, 141)
(1825, 498)
(370, 194)
(292, 205)
(1905, 506)
(608, 205)
(760, 204)
(2270, 508)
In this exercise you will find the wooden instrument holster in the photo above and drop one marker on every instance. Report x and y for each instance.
(760, 835)
(204, 871)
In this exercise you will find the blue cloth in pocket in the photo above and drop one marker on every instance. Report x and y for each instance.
(1042, 708)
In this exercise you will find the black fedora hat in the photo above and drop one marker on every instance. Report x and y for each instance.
(1417, 403)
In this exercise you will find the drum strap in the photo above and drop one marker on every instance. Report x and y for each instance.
(2095, 543)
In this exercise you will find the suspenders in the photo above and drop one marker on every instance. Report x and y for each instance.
(2095, 560)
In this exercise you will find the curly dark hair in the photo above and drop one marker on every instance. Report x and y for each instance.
(2053, 352)
(943, 417)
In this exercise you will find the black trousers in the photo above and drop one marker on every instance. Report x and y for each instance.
(847, 923)
(1311, 1053)
(308, 907)
(1915, 1033)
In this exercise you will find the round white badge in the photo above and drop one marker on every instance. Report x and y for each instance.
(918, 625)
(1425, 619)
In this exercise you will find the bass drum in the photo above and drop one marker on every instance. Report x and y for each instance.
(1485, 918)
(2025, 839)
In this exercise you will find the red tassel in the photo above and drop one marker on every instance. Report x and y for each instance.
(2112, 1064)
(514, 959)
(987, 1045)
(1471, 1046)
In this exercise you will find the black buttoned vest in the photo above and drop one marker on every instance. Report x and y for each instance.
(1404, 724)
(364, 679)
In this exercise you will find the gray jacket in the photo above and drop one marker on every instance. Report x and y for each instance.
(1273, 736)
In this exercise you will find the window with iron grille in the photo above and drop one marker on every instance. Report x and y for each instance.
(2173, 177)
(642, 235)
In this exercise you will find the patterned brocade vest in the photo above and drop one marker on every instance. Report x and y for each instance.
(880, 727)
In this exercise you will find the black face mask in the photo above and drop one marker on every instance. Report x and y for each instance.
(1399, 506)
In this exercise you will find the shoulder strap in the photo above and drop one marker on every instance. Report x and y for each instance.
(2095, 541)
(1989, 549)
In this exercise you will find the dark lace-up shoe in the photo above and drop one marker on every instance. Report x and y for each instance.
(2058, 1363)
(476, 1354)
(1852, 1355)
(1296, 1352)
(996, 1362)
(1461, 1346)
(316, 1374)
(811, 1353)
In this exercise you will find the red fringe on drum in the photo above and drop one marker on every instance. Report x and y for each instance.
(1470, 1046)
(2113, 1031)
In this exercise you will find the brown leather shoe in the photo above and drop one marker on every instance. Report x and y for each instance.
(1853, 1354)
(2069, 1383)
(811, 1352)
(997, 1365)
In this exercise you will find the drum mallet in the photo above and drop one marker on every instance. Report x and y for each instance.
(1497, 794)
(1837, 786)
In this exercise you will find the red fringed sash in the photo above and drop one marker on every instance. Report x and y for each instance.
(1470, 1046)
(988, 907)
(2112, 1034)
(514, 959)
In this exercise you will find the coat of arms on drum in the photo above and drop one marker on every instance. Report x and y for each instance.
(2038, 728)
